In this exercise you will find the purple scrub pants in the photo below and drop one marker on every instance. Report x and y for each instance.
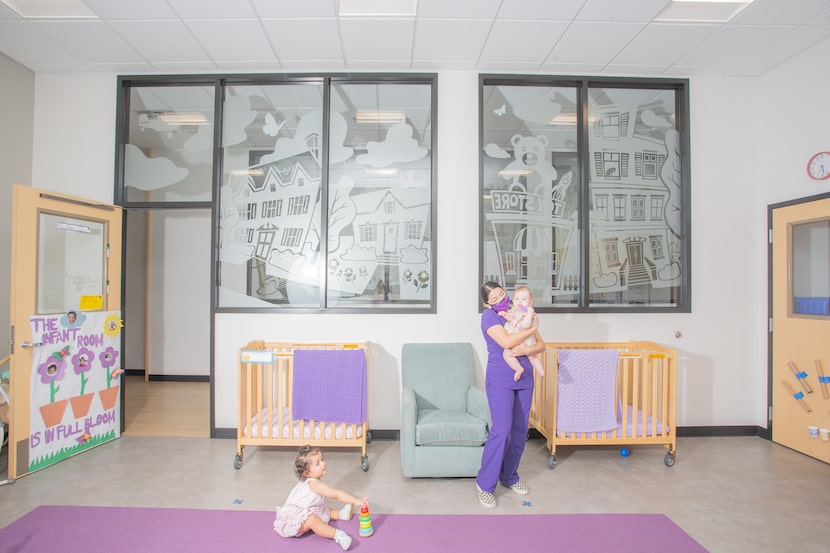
(509, 410)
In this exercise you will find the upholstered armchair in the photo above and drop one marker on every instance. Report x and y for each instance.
(444, 417)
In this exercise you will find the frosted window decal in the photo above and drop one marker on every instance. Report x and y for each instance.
(582, 196)
(373, 199)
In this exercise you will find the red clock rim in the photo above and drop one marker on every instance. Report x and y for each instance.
(810, 161)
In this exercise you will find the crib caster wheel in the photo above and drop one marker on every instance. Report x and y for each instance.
(364, 464)
(237, 461)
(669, 458)
(552, 462)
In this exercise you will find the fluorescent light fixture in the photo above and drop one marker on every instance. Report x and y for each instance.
(248, 172)
(50, 9)
(564, 119)
(382, 172)
(184, 118)
(377, 8)
(375, 116)
(702, 11)
(514, 172)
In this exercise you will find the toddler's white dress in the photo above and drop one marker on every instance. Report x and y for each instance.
(301, 503)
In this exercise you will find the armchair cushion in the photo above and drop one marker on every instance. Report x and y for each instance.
(443, 427)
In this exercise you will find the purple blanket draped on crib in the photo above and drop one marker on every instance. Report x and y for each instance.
(585, 392)
(329, 385)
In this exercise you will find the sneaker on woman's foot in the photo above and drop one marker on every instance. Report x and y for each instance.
(519, 487)
(343, 539)
(486, 498)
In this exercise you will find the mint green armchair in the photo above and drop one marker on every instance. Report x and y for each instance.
(444, 417)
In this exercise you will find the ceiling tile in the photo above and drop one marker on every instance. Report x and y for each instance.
(158, 41)
(248, 66)
(460, 9)
(635, 70)
(762, 12)
(8, 14)
(395, 36)
(640, 11)
(572, 68)
(788, 46)
(131, 9)
(593, 42)
(232, 40)
(731, 45)
(294, 9)
(123, 67)
(450, 39)
(522, 41)
(507, 66)
(314, 65)
(533, 10)
(516, 35)
(89, 41)
(291, 38)
(216, 9)
(378, 65)
(664, 43)
(23, 43)
(185, 66)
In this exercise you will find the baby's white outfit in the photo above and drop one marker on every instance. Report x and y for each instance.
(301, 503)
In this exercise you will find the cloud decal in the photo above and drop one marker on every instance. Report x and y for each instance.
(238, 115)
(150, 174)
(399, 147)
(310, 126)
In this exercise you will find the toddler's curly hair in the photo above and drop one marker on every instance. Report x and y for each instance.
(301, 462)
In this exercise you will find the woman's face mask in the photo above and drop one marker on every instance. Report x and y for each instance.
(503, 305)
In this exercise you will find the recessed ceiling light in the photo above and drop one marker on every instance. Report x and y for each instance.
(50, 9)
(375, 8)
(704, 11)
(374, 116)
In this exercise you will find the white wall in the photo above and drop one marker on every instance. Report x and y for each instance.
(750, 139)
(17, 85)
(74, 138)
(179, 293)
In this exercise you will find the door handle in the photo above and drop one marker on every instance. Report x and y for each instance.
(29, 345)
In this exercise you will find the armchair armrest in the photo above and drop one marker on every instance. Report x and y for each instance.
(477, 404)
(409, 418)
(409, 415)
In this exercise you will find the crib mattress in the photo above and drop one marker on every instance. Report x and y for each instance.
(258, 427)
(628, 431)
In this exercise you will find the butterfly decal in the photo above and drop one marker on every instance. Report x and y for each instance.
(500, 111)
(84, 439)
(116, 372)
(271, 127)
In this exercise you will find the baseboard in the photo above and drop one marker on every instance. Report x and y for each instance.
(720, 431)
(533, 434)
(170, 377)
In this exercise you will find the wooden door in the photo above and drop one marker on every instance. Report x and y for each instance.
(800, 326)
(65, 273)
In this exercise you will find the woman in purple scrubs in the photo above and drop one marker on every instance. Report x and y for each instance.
(509, 400)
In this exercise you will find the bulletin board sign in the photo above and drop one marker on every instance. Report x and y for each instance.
(75, 402)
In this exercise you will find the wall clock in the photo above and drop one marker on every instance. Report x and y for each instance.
(819, 166)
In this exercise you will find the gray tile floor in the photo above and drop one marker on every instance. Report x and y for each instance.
(730, 494)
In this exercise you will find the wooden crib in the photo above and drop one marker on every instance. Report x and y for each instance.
(266, 402)
(646, 388)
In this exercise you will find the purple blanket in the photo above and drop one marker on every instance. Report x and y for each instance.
(585, 393)
(329, 385)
